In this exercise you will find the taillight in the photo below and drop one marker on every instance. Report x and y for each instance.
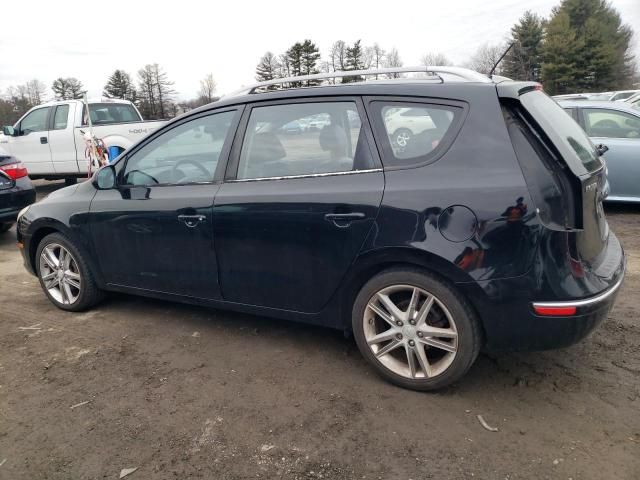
(551, 311)
(15, 170)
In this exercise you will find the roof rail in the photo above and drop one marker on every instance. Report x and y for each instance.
(440, 73)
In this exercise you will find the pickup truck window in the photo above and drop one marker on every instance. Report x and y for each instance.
(60, 117)
(108, 113)
(36, 121)
(187, 153)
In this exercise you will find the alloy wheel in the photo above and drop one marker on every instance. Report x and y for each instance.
(410, 331)
(60, 274)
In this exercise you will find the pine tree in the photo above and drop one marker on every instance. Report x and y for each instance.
(294, 60)
(268, 69)
(524, 60)
(310, 59)
(120, 85)
(69, 88)
(354, 61)
(597, 44)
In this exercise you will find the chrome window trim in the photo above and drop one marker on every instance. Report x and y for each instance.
(583, 303)
(307, 175)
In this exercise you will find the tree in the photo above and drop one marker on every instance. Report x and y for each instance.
(375, 57)
(268, 69)
(524, 60)
(392, 60)
(485, 57)
(69, 88)
(294, 61)
(207, 88)
(434, 59)
(147, 93)
(354, 60)
(338, 56)
(155, 92)
(36, 91)
(310, 58)
(587, 48)
(120, 85)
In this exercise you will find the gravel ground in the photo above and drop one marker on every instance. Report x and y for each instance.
(179, 391)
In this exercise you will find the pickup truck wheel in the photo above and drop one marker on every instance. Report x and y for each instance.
(70, 181)
(4, 227)
(65, 275)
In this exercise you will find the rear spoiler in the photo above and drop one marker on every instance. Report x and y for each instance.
(515, 89)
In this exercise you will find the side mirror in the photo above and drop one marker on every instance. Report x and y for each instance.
(8, 131)
(602, 149)
(105, 178)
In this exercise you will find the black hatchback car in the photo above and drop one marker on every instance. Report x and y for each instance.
(431, 218)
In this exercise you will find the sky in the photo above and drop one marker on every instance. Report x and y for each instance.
(45, 39)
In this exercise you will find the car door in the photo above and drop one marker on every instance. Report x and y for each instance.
(620, 131)
(31, 143)
(61, 139)
(154, 231)
(296, 207)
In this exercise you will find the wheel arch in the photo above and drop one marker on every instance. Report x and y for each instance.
(47, 226)
(375, 262)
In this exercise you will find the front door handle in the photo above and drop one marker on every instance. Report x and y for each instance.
(343, 220)
(192, 220)
(43, 140)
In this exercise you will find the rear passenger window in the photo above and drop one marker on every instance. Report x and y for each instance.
(60, 118)
(303, 139)
(414, 132)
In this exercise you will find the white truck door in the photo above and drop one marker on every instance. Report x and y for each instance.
(31, 143)
(62, 141)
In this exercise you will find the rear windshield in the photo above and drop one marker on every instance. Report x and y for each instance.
(106, 113)
(568, 137)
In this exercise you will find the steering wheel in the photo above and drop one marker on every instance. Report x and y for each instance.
(174, 170)
(140, 172)
(605, 123)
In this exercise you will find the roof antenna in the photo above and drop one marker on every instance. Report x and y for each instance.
(493, 69)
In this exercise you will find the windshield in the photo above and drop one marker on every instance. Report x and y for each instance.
(568, 137)
(106, 113)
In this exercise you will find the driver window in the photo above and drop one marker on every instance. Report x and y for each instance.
(600, 122)
(188, 153)
(36, 121)
(303, 139)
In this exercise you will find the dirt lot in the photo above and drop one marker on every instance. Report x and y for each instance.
(185, 392)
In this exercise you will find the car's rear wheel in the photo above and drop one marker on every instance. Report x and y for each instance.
(4, 227)
(415, 329)
(64, 274)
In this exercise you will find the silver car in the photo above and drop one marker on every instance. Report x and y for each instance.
(616, 125)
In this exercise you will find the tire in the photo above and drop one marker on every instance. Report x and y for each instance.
(87, 295)
(4, 227)
(445, 329)
(70, 181)
(401, 137)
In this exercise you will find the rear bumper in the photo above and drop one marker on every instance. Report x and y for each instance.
(507, 306)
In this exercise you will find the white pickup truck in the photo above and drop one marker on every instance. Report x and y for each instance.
(49, 141)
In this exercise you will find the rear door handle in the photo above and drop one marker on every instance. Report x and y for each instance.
(343, 220)
(192, 220)
(43, 140)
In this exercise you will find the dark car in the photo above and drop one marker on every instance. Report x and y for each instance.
(485, 230)
(16, 190)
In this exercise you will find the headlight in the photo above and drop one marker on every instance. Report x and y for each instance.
(23, 211)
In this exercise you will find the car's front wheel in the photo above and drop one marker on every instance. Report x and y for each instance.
(65, 275)
(5, 227)
(415, 329)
